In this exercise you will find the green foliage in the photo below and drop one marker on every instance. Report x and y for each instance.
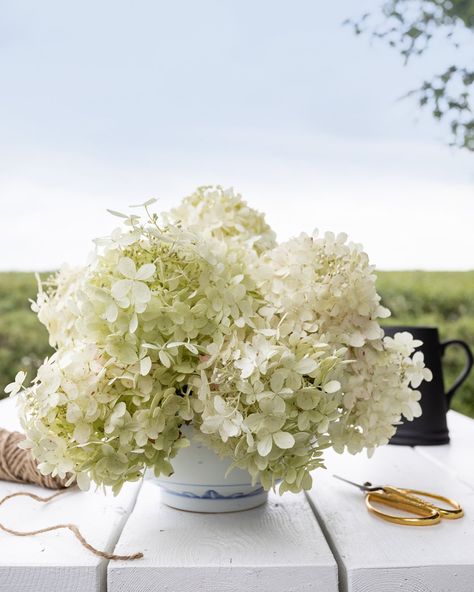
(23, 339)
(410, 26)
(442, 299)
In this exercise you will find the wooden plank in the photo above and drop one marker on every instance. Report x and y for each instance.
(56, 561)
(457, 456)
(374, 555)
(277, 547)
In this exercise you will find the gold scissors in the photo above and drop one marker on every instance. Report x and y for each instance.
(426, 513)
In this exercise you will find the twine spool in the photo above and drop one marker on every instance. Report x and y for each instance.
(18, 465)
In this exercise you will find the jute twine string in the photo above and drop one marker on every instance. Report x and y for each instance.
(19, 466)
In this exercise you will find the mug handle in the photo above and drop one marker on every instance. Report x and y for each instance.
(467, 368)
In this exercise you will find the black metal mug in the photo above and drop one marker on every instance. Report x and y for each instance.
(431, 427)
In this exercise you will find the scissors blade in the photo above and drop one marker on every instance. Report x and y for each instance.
(363, 487)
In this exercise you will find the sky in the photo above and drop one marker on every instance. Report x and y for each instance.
(106, 104)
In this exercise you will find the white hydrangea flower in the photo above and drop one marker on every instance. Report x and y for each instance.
(133, 290)
(416, 371)
(403, 342)
(15, 387)
(220, 213)
(226, 420)
(273, 352)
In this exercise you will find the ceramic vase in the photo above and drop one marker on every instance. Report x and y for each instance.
(199, 482)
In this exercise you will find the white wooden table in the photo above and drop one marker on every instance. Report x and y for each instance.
(324, 542)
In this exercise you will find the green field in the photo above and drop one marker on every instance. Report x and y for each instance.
(442, 299)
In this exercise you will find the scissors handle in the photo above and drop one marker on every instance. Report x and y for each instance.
(452, 513)
(426, 513)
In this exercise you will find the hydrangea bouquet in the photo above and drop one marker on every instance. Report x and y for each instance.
(273, 352)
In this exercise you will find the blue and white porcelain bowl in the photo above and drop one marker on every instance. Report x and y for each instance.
(199, 483)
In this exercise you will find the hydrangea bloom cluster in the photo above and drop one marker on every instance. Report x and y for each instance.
(272, 352)
(212, 212)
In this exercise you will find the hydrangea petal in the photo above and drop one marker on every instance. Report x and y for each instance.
(284, 440)
(121, 288)
(264, 445)
(141, 292)
(127, 267)
(145, 272)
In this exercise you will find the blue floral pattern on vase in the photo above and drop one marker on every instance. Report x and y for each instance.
(212, 494)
